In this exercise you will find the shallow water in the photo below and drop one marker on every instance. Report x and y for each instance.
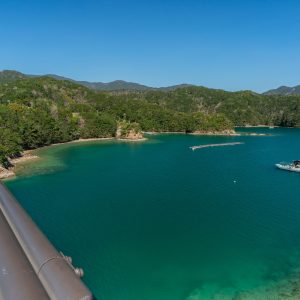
(155, 220)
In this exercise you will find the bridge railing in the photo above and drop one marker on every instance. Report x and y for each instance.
(29, 263)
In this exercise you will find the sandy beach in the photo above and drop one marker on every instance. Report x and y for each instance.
(29, 155)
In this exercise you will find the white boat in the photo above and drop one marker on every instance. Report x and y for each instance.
(293, 167)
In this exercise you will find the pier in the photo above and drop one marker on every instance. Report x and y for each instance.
(215, 145)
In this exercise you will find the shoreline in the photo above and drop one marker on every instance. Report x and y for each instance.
(258, 126)
(200, 133)
(216, 133)
(267, 126)
(224, 134)
(28, 155)
(10, 172)
(92, 140)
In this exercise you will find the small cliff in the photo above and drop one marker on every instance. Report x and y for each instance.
(129, 131)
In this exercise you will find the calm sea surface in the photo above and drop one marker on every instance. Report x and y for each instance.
(158, 221)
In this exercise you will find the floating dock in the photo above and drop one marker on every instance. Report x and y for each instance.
(215, 145)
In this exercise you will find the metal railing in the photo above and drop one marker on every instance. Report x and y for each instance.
(30, 267)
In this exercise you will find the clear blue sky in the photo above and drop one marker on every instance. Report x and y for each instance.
(229, 44)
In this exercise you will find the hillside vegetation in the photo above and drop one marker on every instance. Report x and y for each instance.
(40, 111)
(285, 91)
(241, 108)
(117, 85)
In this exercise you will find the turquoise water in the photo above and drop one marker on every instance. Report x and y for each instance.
(157, 221)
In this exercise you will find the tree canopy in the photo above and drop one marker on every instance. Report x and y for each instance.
(41, 111)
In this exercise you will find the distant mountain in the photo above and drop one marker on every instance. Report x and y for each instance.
(9, 76)
(174, 87)
(117, 85)
(285, 91)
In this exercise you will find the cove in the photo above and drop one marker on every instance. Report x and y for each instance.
(155, 220)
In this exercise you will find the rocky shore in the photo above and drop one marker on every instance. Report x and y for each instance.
(213, 133)
(10, 172)
(227, 132)
(6, 173)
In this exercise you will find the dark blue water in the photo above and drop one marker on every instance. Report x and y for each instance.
(157, 221)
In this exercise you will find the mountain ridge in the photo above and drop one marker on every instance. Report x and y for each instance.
(284, 91)
(7, 76)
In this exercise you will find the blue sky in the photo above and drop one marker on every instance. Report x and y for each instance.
(232, 44)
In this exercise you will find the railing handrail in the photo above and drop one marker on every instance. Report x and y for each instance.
(54, 272)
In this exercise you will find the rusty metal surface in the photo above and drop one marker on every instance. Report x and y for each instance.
(56, 276)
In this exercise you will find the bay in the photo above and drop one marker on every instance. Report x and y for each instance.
(157, 221)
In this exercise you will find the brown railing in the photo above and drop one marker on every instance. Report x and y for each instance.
(30, 267)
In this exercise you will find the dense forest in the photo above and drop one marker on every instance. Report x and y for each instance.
(41, 111)
(242, 108)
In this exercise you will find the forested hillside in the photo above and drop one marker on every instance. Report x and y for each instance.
(40, 111)
(242, 108)
(116, 85)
